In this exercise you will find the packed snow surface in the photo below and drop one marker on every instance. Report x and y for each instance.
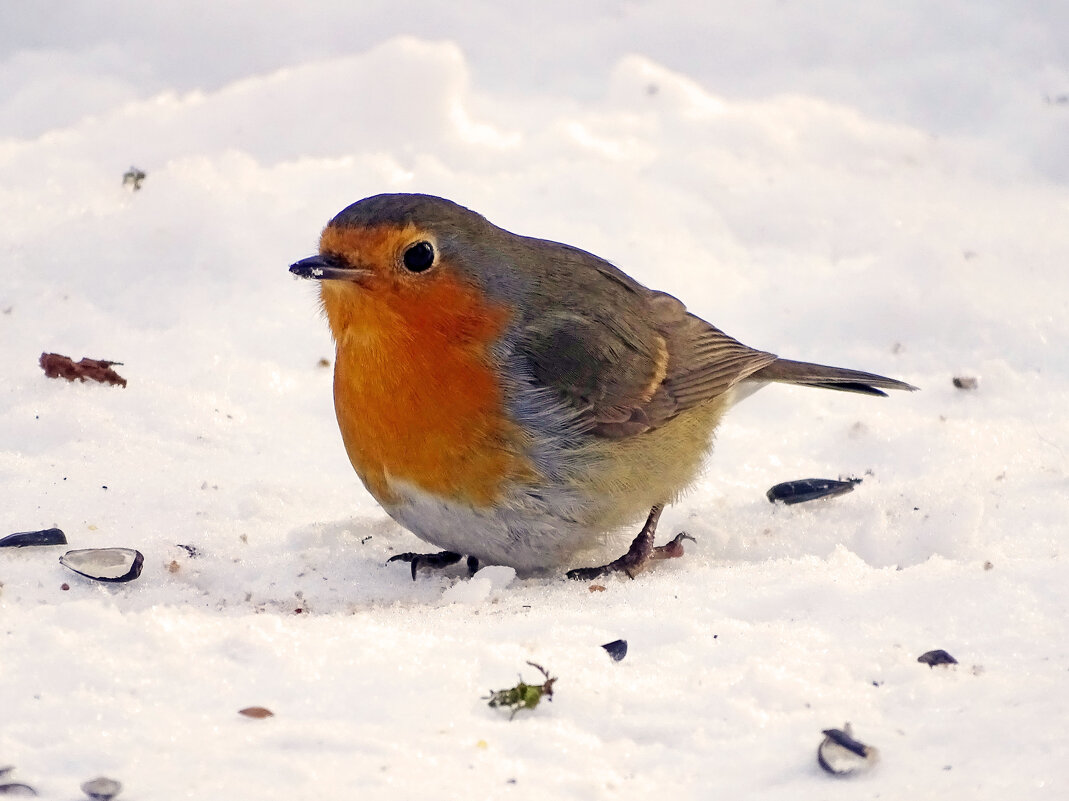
(879, 185)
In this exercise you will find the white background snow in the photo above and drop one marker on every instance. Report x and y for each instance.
(880, 185)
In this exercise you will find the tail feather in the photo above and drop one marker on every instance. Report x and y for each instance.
(820, 375)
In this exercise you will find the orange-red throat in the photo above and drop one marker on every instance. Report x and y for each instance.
(415, 391)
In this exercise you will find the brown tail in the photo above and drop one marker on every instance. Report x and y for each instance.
(819, 375)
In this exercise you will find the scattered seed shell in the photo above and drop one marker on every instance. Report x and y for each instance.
(105, 564)
(617, 649)
(841, 755)
(102, 788)
(810, 489)
(133, 178)
(258, 712)
(22, 539)
(937, 657)
(17, 789)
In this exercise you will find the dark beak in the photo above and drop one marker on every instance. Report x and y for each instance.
(326, 268)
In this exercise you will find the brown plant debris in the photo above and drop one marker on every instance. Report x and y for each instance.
(58, 366)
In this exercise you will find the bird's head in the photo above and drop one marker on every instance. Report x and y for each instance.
(410, 266)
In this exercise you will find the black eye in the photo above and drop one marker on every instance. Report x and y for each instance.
(419, 257)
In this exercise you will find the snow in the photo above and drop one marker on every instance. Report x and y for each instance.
(878, 185)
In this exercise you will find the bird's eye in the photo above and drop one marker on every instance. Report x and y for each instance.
(419, 257)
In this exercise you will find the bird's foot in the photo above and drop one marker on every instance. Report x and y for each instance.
(672, 549)
(639, 555)
(434, 561)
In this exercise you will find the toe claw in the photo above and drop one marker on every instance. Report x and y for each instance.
(587, 573)
(434, 561)
(673, 549)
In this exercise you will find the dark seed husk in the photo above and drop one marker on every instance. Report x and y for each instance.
(102, 788)
(617, 649)
(809, 489)
(22, 539)
(16, 789)
(937, 657)
(841, 755)
(105, 564)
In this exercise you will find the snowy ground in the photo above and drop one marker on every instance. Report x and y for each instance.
(878, 185)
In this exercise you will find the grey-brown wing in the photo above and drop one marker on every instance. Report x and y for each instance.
(704, 362)
(606, 371)
(637, 368)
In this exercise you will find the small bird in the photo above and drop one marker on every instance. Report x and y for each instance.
(512, 399)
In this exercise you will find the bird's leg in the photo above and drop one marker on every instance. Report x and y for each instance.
(639, 555)
(634, 561)
(433, 561)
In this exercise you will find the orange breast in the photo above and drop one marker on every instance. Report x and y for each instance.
(414, 392)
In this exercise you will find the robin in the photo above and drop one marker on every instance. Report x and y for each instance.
(512, 399)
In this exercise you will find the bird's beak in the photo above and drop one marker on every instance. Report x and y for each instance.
(326, 268)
